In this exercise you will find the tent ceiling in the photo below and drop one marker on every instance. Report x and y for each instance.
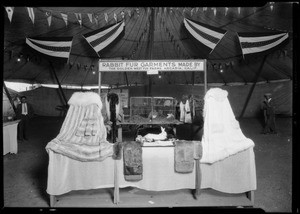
(170, 41)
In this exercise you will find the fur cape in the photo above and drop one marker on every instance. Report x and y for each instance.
(222, 134)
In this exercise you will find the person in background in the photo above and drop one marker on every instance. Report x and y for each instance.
(24, 114)
(269, 115)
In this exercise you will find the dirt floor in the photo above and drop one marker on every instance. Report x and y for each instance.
(25, 173)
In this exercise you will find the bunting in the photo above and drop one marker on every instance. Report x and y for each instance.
(90, 15)
(65, 18)
(55, 47)
(49, 17)
(10, 11)
(101, 38)
(208, 35)
(96, 17)
(31, 14)
(78, 16)
(115, 17)
(106, 17)
(252, 43)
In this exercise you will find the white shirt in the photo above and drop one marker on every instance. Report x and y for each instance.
(24, 108)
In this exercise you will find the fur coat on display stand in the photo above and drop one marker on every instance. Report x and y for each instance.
(222, 134)
(83, 133)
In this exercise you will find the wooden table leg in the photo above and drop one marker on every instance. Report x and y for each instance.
(116, 183)
(52, 200)
(250, 196)
(198, 178)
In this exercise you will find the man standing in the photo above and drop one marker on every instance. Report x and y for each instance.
(269, 114)
(24, 113)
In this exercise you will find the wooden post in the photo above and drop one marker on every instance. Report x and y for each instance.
(99, 83)
(253, 86)
(9, 97)
(116, 183)
(205, 76)
(52, 200)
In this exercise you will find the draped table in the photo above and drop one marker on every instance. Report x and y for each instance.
(235, 174)
(10, 143)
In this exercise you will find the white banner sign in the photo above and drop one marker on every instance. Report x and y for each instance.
(149, 65)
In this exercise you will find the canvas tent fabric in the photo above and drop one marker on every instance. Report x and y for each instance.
(156, 30)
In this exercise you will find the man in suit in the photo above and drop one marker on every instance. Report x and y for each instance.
(24, 113)
(269, 114)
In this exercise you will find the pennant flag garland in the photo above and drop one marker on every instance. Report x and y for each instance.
(192, 11)
(96, 17)
(78, 16)
(226, 10)
(208, 35)
(129, 13)
(90, 15)
(101, 38)
(261, 42)
(55, 47)
(10, 11)
(106, 17)
(31, 14)
(65, 18)
(122, 14)
(115, 17)
(49, 17)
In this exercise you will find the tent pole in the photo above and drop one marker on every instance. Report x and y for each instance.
(253, 86)
(60, 88)
(205, 76)
(9, 97)
(126, 77)
(99, 83)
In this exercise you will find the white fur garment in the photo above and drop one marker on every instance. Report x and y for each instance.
(85, 99)
(222, 135)
(83, 133)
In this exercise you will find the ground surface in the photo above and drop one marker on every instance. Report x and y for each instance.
(25, 173)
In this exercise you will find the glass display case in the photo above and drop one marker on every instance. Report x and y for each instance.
(145, 109)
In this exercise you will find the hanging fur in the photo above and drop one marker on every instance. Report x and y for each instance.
(112, 108)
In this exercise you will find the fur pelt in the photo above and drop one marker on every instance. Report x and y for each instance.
(133, 161)
(85, 98)
(184, 156)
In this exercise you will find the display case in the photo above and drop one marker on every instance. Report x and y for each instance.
(140, 107)
(145, 109)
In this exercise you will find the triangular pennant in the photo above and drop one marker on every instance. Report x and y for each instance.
(129, 13)
(10, 11)
(96, 17)
(226, 10)
(239, 10)
(115, 17)
(65, 18)
(31, 14)
(78, 16)
(122, 14)
(49, 17)
(106, 17)
(192, 11)
(90, 15)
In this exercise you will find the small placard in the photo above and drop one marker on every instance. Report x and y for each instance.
(152, 72)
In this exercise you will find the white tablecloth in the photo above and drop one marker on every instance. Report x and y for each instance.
(10, 143)
(235, 174)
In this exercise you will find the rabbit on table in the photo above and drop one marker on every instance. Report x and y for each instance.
(154, 137)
